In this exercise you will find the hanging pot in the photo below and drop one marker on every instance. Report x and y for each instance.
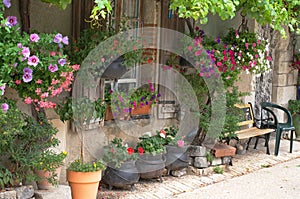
(176, 158)
(126, 175)
(115, 70)
(151, 166)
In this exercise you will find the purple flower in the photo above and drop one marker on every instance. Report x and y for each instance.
(52, 68)
(27, 71)
(34, 37)
(62, 62)
(58, 38)
(7, 3)
(27, 77)
(26, 52)
(20, 45)
(65, 40)
(33, 60)
(11, 21)
(5, 107)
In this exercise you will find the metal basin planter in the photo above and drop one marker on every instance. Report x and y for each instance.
(151, 166)
(125, 176)
(176, 158)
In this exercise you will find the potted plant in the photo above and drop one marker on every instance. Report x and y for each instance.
(294, 108)
(150, 162)
(176, 151)
(84, 178)
(121, 170)
(48, 168)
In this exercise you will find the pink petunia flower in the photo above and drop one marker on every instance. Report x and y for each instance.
(33, 60)
(25, 52)
(180, 143)
(34, 37)
(52, 68)
(5, 107)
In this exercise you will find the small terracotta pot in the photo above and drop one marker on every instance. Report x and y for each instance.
(43, 184)
(84, 185)
(141, 110)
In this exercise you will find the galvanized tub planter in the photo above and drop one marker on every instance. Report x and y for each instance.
(125, 176)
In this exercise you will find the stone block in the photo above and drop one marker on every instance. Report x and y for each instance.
(200, 162)
(216, 161)
(281, 95)
(62, 191)
(222, 150)
(179, 173)
(197, 151)
(25, 192)
(227, 160)
(280, 79)
(8, 194)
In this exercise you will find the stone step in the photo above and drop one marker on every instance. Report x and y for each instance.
(61, 191)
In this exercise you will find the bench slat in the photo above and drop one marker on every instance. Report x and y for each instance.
(252, 132)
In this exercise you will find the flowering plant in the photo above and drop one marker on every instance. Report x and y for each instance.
(230, 55)
(79, 166)
(126, 101)
(170, 137)
(49, 160)
(150, 144)
(34, 64)
(115, 153)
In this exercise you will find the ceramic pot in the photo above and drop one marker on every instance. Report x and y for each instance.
(126, 175)
(84, 185)
(43, 183)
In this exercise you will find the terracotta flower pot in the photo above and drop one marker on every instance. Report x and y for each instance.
(43, 184)
(84, 185)
(141, 110)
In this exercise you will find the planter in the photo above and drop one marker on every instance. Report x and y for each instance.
(296, 122)
(108, 113)
(141, 110)
(176, 158)
(84, 185)
(43, 183)
(150, 166)
(126, 175)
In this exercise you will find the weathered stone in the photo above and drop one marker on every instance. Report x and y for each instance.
(62, 191)
(207, 171)
(179, 173)
(8, 195)
(25, 192)
(197, 151)
(216, 161)
(194, 171)
(200, 162)
(227, 160)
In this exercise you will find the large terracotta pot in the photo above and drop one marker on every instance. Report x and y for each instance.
(126, 175)
(84, 185)
(43, 183)
(176, 158)
(151, 166)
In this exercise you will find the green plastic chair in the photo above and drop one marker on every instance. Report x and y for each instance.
(272, 122)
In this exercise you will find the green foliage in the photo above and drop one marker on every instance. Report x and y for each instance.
(62, 4)
(80, 166)
(6, 178)
(210, 157)
(151, 144)
(23, 141)
(218, 170)
(276, 13)
(115, 153)
(294, 106)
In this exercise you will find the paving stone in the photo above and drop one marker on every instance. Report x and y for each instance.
(216, 161)
(8, 195)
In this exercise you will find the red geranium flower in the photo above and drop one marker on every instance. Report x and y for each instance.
(130, 150)
(141, 150)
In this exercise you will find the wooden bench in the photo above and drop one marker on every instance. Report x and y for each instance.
(249, 129)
